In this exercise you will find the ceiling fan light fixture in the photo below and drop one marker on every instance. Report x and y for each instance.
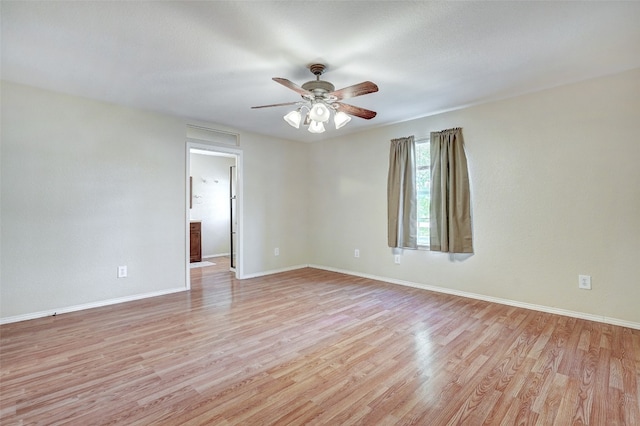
(293, 118)
(316, 127)
(319, 112)
(340, 119)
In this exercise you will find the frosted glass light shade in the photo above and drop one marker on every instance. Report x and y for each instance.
(319, 112)
(316, 127)
(341, 119)
(293, 118)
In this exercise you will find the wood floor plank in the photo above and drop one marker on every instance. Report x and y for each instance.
(316, 347)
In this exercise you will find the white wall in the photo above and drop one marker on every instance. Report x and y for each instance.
(88, 186)
(276, 198)
(211, 201)
(555, 193)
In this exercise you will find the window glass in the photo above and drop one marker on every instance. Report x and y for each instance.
(423, 189)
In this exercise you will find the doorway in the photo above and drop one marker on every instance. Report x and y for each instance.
(214, 203)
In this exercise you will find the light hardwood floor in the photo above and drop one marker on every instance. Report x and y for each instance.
(316, 347)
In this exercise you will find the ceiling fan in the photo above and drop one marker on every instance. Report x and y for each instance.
(320, 99)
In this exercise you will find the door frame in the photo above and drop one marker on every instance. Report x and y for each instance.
(226, 151)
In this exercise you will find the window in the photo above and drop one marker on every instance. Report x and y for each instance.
(423, 190)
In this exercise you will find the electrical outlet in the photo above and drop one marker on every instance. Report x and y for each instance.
(356, 253)
(584, 282)
(122, 271)
(396, 259)
(276, 251)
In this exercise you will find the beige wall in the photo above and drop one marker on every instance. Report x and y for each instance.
(555, 193)
(276, 196)
(88, 186)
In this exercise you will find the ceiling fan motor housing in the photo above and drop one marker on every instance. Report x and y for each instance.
(318, 87)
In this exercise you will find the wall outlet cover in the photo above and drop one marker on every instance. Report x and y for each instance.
(122, 271)
(584, 282)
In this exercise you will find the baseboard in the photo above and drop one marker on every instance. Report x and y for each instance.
(215, 255)
(273, 271)
(541, 308)
(52, 312)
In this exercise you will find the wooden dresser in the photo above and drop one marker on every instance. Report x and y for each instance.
(196, 241)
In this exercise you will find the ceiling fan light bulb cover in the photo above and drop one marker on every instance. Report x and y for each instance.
(293, 118)
(341, 119)
(316, 127)
(319, 112)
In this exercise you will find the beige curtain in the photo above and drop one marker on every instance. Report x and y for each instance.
(401, 194)
(450, 229)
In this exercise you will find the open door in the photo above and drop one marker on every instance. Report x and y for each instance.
(233, 222)
(226, 239)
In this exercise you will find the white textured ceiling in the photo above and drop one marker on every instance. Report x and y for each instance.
(212, 61)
